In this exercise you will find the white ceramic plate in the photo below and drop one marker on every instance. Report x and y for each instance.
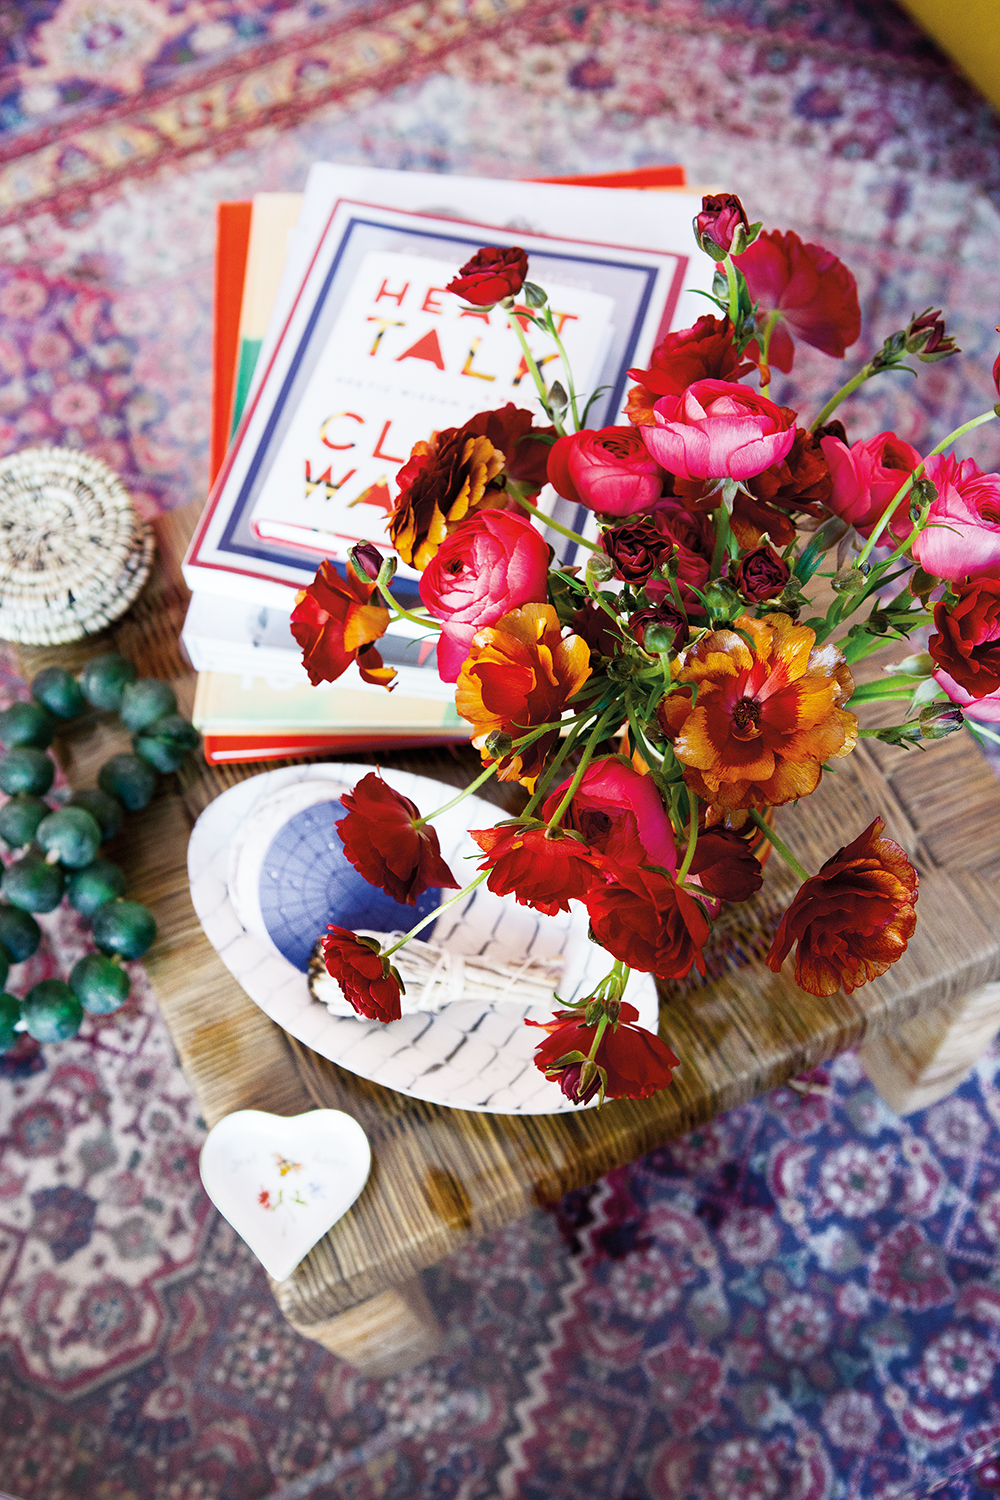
(468, 1056)
(283, 1182)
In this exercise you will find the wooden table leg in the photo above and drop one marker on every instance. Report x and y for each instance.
(927, 1057)
(386, 1335)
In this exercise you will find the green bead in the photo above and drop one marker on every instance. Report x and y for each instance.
(51, 1011)
(33, 884)
(145, 701)
(94, 886)
(20, 934)
(19, 820)
(27, 724)
(124, 927)
(127, 777)
(167, 743)
(105, 678)
(72, 835)
(59, 692)
(99, 984)
(107, 812)
(26, 770)
(10, 1014)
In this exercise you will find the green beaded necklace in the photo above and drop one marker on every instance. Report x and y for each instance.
(60, 847)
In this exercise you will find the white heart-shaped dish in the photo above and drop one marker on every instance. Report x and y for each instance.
(283, 1181)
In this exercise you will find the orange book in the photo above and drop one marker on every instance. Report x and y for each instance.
(232, 238)
(639, 177)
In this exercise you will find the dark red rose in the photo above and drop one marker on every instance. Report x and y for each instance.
(493, 273)
(665, 615)
(814, 292)
(634, 1061)
(537, 870)
(510, 429)
(635, 549)
(853, 919)
(967, 639)
(692, 534)
(367, 979)
(725, 865)
(335, 621)
(704, 352)
(722, 214)
(383, 845)
(643, 919)
(760, 575)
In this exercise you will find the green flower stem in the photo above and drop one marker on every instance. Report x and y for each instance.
(588, 753)
(781, 847)
(406, 614)
(692, 837)
(870, 692)
(648, 754)
(721, 547)
(734, 290)
(907, 485)
(825, 413)
(571, 389)
(536, 374)
(548, 521)
(433, 915)
(473, 786)
(764, 345)
(976, 729)
(548, 775)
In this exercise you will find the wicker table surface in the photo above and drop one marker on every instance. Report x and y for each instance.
(440, 1174)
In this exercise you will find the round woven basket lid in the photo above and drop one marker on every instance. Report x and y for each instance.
(74, 553)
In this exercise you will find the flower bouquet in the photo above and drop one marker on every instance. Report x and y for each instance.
(657, 702)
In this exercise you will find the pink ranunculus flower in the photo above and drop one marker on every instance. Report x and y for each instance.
(865, 478)
(620, 813)
(719, 430)
(492, 563)
(987, 708)
(962, 536)
(609, 470)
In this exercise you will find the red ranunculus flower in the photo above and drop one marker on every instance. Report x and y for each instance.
(536, 869)
(666, 616)
(335, 623)
(726, 866)
(853, 919)
(492, 563)
(761, 574)
(368, 980)
(718, 430)
(800, 483)
(493, 273)
(721, 216)
(962, 535)
(620, 814)
(813, 291)
(966, 644)
(383, 845)
(705, 352)
(609, 470)
(635, 1062)
(866, 476)
(510, 430)
(642, 918)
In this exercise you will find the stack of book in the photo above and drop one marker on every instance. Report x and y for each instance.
(337, 348)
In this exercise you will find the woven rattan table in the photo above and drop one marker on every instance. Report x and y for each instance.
(439, 1174)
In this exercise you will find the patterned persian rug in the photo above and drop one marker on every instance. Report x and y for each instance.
(802, 1300)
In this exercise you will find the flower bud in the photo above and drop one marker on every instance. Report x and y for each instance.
(940, 719)
(850, 580)
(534, 295)
(659, 628)
(926, 337)
(498, 744)
(721, 600)
(921, 664)
(367, 559)
(600, 567)
(715, 228)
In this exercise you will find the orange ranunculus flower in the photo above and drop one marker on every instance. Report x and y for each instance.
(335, 623)
(441, 482)
(520, 672)
(764, 720)
(853, 919)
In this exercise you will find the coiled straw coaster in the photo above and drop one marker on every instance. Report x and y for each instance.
(74, 553)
